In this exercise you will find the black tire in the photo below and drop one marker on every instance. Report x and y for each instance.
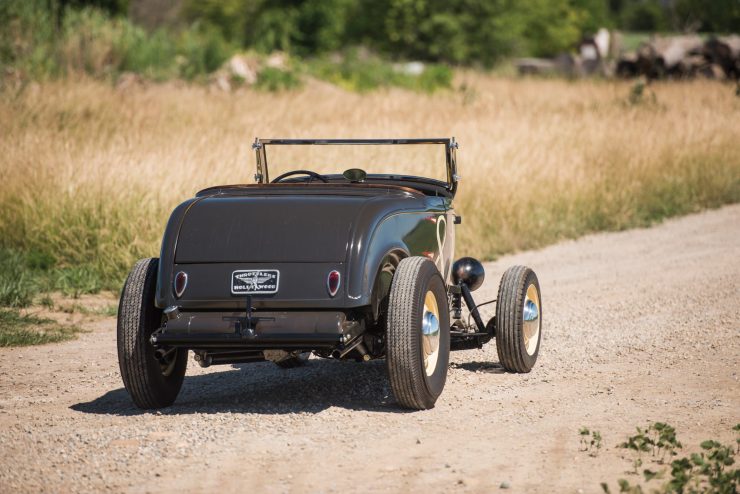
(295, 361)
(515, 352)
(150, 384)
(410, 382)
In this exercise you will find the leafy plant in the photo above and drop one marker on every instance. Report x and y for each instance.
(659, 439)
(708, 471)
(274, 79)
(590, 441)
(641, 93)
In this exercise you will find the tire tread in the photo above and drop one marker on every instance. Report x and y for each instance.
(403, 354)
(137, 317)
(509, 323)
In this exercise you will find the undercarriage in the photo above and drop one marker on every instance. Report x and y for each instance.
(256, 336)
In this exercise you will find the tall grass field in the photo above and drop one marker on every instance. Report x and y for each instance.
(89, 173)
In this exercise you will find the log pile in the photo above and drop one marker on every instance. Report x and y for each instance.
(661, 57)
(683, 57)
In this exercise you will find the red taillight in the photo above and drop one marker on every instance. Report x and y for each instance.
(181, 281)
(332, 283)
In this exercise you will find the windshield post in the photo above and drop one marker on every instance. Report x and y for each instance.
(452, 176)
(261, 176)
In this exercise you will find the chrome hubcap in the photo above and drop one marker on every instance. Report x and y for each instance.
(531, 316)
(430, 333)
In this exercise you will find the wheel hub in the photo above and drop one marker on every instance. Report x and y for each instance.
(430, 333)
(531, 317)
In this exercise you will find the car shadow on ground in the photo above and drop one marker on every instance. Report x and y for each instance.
(264, 388)
(489, 367)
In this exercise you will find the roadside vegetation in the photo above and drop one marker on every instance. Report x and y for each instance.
(18, 329)
(656, 459)
(192, 39)
(90, 173)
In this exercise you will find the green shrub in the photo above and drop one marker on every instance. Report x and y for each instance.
(274, 79)
(361, 72)
(91, 41)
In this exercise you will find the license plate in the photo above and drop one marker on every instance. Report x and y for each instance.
(254, 281)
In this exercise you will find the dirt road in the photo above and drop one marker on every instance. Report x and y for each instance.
(640, 326)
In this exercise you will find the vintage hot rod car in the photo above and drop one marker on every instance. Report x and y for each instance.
(350, 265)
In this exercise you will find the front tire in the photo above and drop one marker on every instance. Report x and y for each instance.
(151, 382)
(518, 319)
(418, 334)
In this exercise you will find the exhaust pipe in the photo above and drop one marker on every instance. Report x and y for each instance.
(355, 345)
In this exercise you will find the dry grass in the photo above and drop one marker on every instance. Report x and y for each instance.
(89, 174)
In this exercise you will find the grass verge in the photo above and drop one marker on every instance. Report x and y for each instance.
(17, 329)
(91, 173)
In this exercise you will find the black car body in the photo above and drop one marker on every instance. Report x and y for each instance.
(307, 263)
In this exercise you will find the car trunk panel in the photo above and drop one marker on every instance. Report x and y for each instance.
(267, 229)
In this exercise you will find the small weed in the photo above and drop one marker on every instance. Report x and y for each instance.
(47, 302)
(590, 441)
(110, 310)
(658, 439)
(640, 93)
(25, 330)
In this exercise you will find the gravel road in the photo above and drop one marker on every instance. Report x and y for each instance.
(641, 325)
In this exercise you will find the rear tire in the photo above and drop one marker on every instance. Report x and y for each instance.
(152, 383)
(418, 334)
(518, 319)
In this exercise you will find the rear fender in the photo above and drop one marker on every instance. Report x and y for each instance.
(165, 276)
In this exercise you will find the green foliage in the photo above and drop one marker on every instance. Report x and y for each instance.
(362, 72)
(27, 31)
(24, 275)
(644, 16)
(706, 471)
(721, 16)
(275, 79)
(453, 31)
(17, 287)
(49, 38)
(39, 43)
(659, 439)
(590, 441)
(24, 330)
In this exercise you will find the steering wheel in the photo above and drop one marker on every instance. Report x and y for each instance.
(300, 172)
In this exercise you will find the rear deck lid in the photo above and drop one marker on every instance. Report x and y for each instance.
(268, 228)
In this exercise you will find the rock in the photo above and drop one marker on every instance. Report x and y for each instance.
(277, 60)
(505, 485)
(220, 81)
(244, 68)
(411, 68)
